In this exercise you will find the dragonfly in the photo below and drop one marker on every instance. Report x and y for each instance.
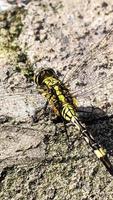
(66, 107)
(89, 82)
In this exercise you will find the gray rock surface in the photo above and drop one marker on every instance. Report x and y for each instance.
(75, 38)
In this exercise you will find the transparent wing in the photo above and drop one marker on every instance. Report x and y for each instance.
(19, 99)
(94, 49)
(91, 80)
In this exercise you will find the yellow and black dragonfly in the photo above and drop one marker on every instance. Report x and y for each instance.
(65, 106)
(90, 82)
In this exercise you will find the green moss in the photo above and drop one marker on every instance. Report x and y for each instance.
(10, 50)
(9, 33)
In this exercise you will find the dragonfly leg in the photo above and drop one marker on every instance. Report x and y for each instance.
(70, 144)
(35, 117)
(4, 119)
(65, 128)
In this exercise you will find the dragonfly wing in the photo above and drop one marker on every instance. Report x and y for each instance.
(92, 80)
(19, 103)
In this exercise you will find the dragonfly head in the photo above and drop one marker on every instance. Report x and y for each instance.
(42, 74)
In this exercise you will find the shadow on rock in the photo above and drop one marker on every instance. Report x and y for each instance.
(99, 124)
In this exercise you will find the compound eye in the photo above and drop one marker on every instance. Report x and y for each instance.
(50, 70)
(38, 79)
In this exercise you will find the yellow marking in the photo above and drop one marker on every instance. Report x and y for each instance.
(50, 81)
(61, 98)
(75, 102)
(69, 113)
(75, 122)
(87, 140)
(57, 88)
(73, 119)
(55, 110)
(67, 118)
(100, 152)
(59, 94)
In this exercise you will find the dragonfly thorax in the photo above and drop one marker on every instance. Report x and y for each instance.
(43, 74)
